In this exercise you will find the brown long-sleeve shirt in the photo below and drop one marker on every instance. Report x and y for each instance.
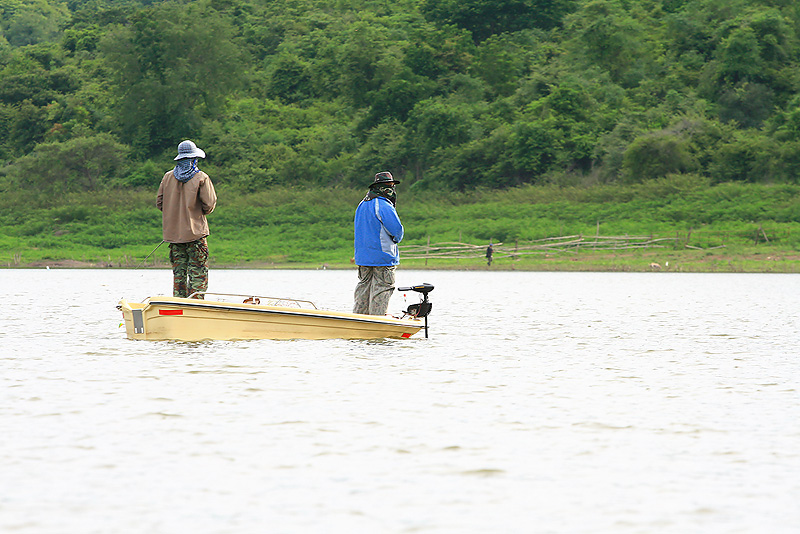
(184, 207)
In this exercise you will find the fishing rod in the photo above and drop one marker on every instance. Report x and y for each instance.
(151, 253)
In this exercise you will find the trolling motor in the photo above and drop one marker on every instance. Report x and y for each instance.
(422, 308)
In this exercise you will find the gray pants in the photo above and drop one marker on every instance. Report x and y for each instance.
(374, 289)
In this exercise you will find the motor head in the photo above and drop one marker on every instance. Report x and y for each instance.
(424, 288)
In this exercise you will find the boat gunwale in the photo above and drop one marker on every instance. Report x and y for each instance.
(278, 310)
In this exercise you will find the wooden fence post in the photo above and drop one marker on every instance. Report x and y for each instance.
(427, 250)
(596, 235)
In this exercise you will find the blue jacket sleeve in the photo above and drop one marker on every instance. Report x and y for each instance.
(390, 220)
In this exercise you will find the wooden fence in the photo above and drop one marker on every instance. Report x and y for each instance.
(571, 243)
(700, 240)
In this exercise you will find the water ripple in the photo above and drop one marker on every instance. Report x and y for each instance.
(547, 402)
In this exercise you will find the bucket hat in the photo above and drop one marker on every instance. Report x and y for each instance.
(187, 149)
(384, 177)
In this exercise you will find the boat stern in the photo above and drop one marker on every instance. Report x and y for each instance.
(133, 318)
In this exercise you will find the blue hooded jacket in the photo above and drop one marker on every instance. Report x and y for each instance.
(377, 232)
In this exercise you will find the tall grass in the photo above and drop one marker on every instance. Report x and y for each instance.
(284, 226)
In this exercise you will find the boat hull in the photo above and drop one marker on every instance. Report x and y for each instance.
(173, 318)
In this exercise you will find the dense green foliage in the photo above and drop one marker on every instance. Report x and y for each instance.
(447, 94)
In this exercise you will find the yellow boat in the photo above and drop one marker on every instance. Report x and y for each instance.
(225, 316)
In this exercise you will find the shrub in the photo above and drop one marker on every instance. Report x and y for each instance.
(655, 156)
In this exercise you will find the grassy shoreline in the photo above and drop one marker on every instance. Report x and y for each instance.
(683, 224)
(763, 260)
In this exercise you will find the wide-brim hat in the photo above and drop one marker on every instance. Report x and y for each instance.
(187, 149)
(384, 177)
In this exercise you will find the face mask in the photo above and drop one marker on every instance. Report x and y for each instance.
(391, 195)
(386, 191)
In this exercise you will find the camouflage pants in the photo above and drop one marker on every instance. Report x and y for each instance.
(374, 289)
(189, 267)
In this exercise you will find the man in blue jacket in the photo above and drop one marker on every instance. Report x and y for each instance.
(377, 232)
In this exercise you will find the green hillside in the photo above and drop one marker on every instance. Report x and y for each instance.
(447, 94)
(501, 117)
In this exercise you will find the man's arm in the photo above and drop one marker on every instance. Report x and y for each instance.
(160, 196)
(208, 196)
(390, 220)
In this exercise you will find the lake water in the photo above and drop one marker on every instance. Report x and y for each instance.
(541, 403)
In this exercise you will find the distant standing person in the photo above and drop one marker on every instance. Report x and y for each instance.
(489, 253)
(377, 232)
(185, 196)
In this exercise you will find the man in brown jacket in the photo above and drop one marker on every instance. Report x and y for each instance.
(185, 196)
